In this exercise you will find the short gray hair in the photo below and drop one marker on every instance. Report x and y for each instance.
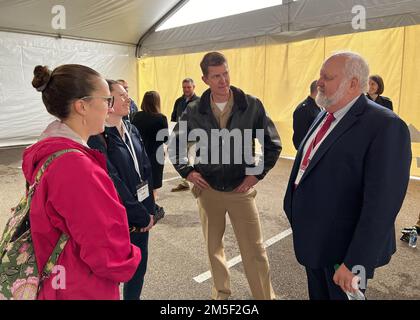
(188, 80)
(355, 67)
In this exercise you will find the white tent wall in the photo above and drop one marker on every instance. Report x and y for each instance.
(294, 21)
(23, 115)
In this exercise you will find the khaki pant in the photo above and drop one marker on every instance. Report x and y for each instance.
(244, 217)
(418, 222)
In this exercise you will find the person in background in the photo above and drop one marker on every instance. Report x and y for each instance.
(180, 105)
(130, 169)
(75, 196)
(304, 115)
(149, 122)
(376, 88)
(133, 106)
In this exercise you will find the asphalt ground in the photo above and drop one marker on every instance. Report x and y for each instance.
(177, 252)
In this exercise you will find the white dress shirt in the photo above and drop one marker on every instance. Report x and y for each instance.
(338, 115)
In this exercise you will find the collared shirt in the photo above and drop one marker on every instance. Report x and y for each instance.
(338, 115)
(222, 117)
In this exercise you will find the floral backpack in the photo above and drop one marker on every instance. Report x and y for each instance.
(19, 275)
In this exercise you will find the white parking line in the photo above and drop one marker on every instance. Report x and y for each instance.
(207, 275)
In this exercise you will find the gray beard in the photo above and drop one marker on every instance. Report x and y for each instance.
(322, 101)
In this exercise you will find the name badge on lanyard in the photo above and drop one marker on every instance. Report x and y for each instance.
(143, 191)
(143, 187)
(299, 176)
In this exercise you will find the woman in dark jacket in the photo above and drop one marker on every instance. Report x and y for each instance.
(149, 122)
(130, 170)
(376, 88)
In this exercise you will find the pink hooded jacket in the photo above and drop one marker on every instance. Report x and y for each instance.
(77, 197)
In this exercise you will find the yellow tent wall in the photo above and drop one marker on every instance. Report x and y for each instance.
(280, 75)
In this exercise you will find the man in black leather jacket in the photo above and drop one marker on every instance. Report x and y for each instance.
(225, 123)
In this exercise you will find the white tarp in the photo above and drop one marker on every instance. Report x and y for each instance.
(123, 21)
(23, 115)
(303, 19)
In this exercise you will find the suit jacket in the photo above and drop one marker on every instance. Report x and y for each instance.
(344, 208)
(383, 101)
(303, 117)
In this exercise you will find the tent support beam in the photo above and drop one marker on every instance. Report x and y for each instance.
(152, 29)
(60, 36)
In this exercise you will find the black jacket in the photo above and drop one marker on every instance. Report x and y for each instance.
(149, 125)
(383, 101)
(123, 173)
(248, 114)
(304, 115)
(180, 105)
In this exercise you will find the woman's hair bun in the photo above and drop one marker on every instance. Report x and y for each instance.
(42, 76)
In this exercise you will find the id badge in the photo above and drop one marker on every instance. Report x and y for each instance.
(143, 191)
(299, 176)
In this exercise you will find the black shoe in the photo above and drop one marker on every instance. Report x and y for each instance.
(405, 237)
(160, 213)
(406, 233)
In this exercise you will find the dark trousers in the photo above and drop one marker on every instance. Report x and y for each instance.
(322, 287)
(132, 289)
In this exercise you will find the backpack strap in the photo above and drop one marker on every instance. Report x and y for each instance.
(52, 260)
(48, 162)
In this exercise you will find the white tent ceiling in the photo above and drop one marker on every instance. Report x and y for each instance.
(122, 21)
(291, 21)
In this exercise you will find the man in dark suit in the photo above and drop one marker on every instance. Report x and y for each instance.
(304, 116)
(348, 182)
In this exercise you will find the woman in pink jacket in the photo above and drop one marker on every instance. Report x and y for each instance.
(75, 195)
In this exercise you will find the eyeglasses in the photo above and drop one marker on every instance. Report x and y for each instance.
(109, 99)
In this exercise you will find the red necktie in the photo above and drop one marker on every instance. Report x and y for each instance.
(321, 133)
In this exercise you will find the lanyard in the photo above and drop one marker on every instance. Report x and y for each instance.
(131, 150)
